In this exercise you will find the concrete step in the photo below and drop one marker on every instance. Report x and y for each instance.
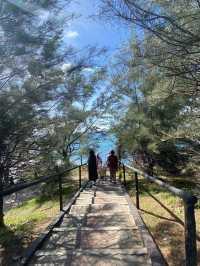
(124, 221)
(81, 201)
(111, 193)
(98, 238)
(109, 257)
(73, 221)
(89, 190)
(62, 251)
(108, 182)
(88, 238)
(109, 207)
(98, 200)
(67, 239)
(85, 192)
(106, 196)
(97, 220)
(85, 197)
(97, 229)
(80, 209)
(112, 208)
(54, 257)
(98, 214)
(105, 238)
(109, 186)
(117, 189)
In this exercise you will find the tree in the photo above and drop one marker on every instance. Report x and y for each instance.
(151, 125)
(171, 34)
(160, 77)
(42, 102)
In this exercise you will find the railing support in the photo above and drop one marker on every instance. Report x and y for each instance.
(79, 176)
(137, 191)
(124, 174)
(190, 232)
(120, 173)
(60, 188)
(189, 212)
(60, 193)
(1, 204)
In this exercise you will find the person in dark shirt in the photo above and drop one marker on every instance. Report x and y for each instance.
(92, 166)
(112, 163)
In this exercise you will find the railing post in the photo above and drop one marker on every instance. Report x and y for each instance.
(79, 176)
(190, 232)
(1, 203)
(137, 191)
(60, 193)
(124, 174)
(120, 174)
(60, 189)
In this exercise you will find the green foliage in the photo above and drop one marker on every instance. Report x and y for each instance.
(44, 107)
(155, 83)
(150, 129)
(170, 157)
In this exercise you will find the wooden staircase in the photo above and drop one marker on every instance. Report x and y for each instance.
(99, 229)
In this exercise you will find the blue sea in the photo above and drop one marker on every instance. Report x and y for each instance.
(101, 143)
(106, 144)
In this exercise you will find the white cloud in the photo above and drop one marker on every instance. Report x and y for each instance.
(89, 69)
(72, 34)
(66, 66)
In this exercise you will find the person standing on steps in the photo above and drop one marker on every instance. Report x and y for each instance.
(112, 163)
(92, 167)
(99, 166)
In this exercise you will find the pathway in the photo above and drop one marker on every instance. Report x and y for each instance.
(99, 230)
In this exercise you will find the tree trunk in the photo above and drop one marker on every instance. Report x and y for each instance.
(151, 169)
(149, 164)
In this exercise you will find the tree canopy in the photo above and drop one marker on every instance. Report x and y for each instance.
(47, 97)
(156, 82)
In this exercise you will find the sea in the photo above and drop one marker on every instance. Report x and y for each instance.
(101, 143)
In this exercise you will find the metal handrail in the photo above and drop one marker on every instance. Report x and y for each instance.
(63, 210)
(189, 211)
(184, 195)
(58, 177)
(50, 178)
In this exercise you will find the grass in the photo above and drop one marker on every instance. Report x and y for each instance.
(24, 223)
(165, 222)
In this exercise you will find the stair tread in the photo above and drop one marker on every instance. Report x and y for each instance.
(98, 230)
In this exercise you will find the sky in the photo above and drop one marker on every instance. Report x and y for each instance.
(86, 30)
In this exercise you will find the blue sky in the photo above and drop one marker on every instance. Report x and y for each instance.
(84, 31)
(87, 31)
